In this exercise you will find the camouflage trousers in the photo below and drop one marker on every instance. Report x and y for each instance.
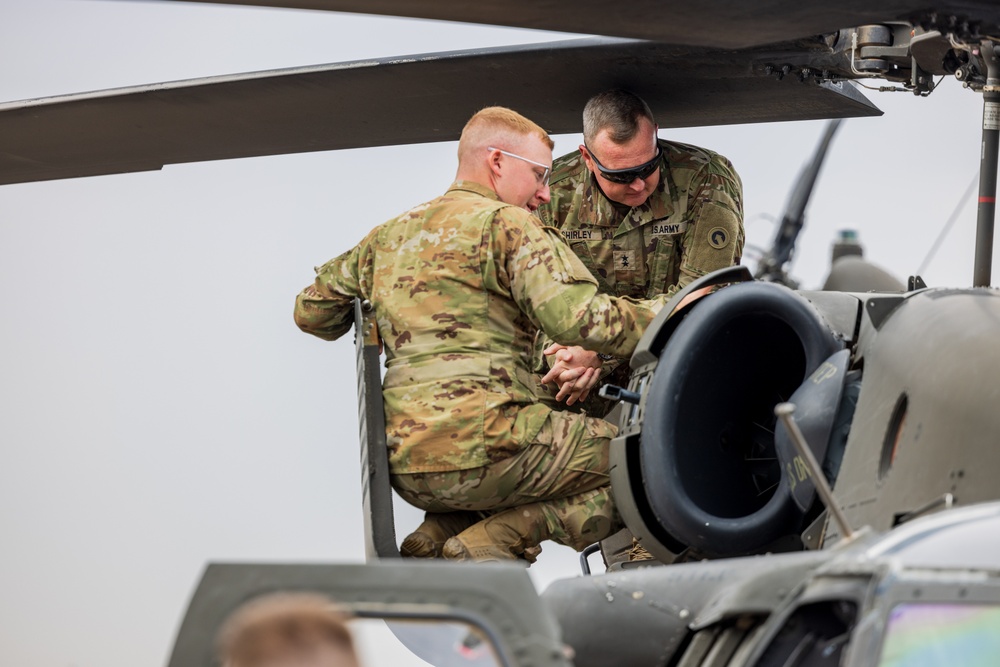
(564, 470)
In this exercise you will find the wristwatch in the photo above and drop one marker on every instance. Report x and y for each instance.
(605, 357)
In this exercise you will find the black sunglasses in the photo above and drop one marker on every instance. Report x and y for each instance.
(641, 171)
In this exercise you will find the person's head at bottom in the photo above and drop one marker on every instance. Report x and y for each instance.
(287, 630)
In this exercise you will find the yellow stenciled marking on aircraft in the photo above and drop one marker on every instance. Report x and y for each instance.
(825, 371)
(801, 470)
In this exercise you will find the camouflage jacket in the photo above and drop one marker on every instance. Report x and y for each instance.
(691, 225)
(460, 286)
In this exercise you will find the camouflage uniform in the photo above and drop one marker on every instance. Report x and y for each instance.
(691, 225)
(461, 285)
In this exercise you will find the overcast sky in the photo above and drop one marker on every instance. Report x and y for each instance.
(160, 409)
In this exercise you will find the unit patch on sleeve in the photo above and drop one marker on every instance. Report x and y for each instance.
(718, 237)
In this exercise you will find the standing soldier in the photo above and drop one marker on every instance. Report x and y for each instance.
(460, 286)
(646, 216)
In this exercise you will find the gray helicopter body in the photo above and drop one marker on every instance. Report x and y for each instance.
(895, 391)
(699, 462)
(925, 593)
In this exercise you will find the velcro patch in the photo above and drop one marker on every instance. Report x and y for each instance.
(625, 260)
(579, 234)
(718, 237)
(669, 228)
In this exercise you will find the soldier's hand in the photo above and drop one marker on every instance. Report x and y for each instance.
(568, 363)
(577, 390)
(575, 371)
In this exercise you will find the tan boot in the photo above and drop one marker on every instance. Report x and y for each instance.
(639, 552)
(428, 539)
(505, 536)
(531, 554)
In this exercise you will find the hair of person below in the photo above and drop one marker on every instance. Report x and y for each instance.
(283, 628)
(500, 127)
(617, 111)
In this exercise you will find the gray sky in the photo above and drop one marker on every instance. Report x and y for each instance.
(160, 409)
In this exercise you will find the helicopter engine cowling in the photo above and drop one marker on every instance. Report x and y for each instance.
(710, 479)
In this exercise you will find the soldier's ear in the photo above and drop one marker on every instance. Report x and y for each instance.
(494, 159)
(587, 159)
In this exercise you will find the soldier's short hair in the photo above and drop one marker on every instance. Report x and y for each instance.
(287, 629)
(616, 111)
(498, 125)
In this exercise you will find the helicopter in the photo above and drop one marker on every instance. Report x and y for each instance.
(915, 102)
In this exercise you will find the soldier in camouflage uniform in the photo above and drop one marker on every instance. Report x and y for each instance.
(646, 217)
(461, 285)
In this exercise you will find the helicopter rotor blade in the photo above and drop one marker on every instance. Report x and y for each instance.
(392, 101)
(718, 23)
(772, 265)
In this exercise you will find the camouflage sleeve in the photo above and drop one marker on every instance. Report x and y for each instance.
(715, 238)
(326, 307)
(555, 290)
(554, 212)
(563, 184)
